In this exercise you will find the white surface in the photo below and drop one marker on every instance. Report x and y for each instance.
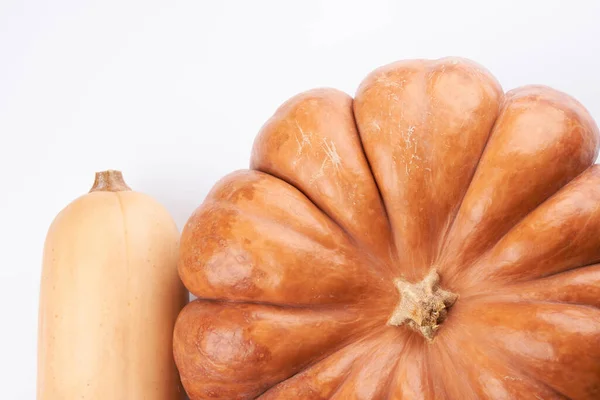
(173, 92)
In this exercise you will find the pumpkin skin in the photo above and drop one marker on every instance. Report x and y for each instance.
(431, 167)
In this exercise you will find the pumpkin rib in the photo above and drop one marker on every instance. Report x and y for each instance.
(275, 391)
(452, 375)
(479, 68)
(489, 352)
(363, 132)
(372, 374)
(494, 301)
(285, 182)
(566, 287)
(536, 126)
(384, 272)
(282, 306)
(409, 115)
(238, 226)
(312, 201)
(351, 237)
(339, 387)
(392, 378)
(412, 376)
(499, 297)
(445, 237)
(371, 336)
(311, 142)
(393, 249)
(211, 336)
(524, 373)
(580, 198)
(569, 347)
(524, 218)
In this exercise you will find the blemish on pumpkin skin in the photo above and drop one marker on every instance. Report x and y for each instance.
(389, 81)
(239, 185)
(331, 158)
(410, 146)
(332, 154)
(229, 347)
(320, 173)
(208, 236)
(225, 342)
(222, 345)
(234, 269)
(245, 192)
(376, 125)
(276, 140)
(302, 141)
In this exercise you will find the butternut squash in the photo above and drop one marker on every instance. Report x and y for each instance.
(109, 298)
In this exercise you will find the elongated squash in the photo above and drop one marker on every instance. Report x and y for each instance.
(109, 298)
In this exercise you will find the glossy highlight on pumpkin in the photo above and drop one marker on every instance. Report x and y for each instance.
(299, 262)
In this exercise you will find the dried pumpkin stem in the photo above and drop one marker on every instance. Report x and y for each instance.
(109, 181)
(423, 305)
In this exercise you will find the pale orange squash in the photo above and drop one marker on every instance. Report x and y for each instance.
(109, 298)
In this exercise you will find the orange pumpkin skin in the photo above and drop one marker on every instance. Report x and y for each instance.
(299, 262)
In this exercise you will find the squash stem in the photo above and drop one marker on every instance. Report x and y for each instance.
(423, 305)
(109, 181)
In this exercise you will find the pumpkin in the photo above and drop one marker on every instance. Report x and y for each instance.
(109, 298)
(431, 238)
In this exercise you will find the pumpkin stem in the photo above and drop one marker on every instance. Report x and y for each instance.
(109, 181)
(423, 305)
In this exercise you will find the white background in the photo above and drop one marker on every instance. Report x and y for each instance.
(173, 92)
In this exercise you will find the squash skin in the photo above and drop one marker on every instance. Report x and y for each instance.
(430, 166)
(109, 298)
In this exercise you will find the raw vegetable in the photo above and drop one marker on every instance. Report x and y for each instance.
(432, 238)
(109, 298)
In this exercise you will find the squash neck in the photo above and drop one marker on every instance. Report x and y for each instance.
(109, 181)
(423, 305)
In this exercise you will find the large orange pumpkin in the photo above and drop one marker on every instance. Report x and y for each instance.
(432, 238)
